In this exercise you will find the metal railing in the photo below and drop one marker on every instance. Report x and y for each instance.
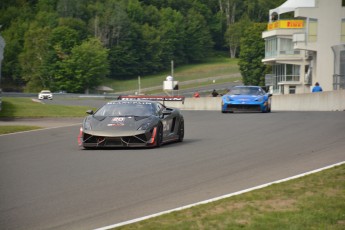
(338, 81)
(288, 78)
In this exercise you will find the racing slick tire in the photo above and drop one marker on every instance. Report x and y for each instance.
(159, 135)
(181, 131)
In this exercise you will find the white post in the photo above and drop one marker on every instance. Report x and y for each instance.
(139, 84)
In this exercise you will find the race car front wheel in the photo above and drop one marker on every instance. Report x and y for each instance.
(181, 131)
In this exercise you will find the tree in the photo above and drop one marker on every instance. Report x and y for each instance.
(172, 36)
(73, 8)
(35, 52)
(111, 23)
(33, 58)
(234, 34)
(198, 41)
(15, 22)
(64, 38)
(83, 69)
(252, 52)
(142, 36)
(257, 10)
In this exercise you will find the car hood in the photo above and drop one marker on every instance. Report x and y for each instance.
(122, 125)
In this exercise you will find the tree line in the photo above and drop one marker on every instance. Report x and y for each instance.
(71, 45)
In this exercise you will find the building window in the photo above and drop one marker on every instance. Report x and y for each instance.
(292, 89)
(342, 39)
(282, 45)
(286, 46)
(270, 47)
(312, 30)
(339, 67)
(286, 72)
(342, 63)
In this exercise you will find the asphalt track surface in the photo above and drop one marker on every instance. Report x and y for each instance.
(47, 182)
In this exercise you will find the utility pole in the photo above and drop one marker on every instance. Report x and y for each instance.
(172, 75)
(2, 47)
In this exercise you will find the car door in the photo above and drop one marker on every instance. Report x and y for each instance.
(167, 118)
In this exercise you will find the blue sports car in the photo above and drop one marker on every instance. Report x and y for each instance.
(246, 98)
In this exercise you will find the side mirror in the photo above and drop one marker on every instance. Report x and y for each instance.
(166, 112)
(269, 95)
(90, 112)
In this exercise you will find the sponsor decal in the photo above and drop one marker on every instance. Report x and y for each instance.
(115, 124)
(117, 121)
(124, 102)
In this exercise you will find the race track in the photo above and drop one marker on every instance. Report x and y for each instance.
(47, 182)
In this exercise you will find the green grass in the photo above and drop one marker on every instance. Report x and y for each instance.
(5, 129)
(26, 107)
(215, 67)
(316, 201)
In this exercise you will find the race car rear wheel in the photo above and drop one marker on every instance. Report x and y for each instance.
(181, 131)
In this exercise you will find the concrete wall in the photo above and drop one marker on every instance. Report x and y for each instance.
(202, 103)
(325, 101)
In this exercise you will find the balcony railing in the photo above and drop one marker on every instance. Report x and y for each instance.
(288, 78)
(282, 53)
(338, 81)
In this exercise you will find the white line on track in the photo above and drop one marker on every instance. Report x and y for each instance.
(217, 198)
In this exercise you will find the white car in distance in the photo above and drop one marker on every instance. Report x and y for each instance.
(45, 94)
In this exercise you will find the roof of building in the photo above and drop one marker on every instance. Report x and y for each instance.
(291, 5)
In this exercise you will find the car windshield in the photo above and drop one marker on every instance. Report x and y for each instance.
(246, 91)
(124, 108)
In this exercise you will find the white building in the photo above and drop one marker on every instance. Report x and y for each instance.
(305, 44)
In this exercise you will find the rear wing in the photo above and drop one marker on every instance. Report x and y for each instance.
(152, 98)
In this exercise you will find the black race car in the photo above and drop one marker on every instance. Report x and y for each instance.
(131, 123)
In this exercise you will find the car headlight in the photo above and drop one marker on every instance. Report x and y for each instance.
(144, 126)
(260, 99)
(87, 125)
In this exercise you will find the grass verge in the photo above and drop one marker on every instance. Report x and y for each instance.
(315, 201)
(26, 107)
(6, 129)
